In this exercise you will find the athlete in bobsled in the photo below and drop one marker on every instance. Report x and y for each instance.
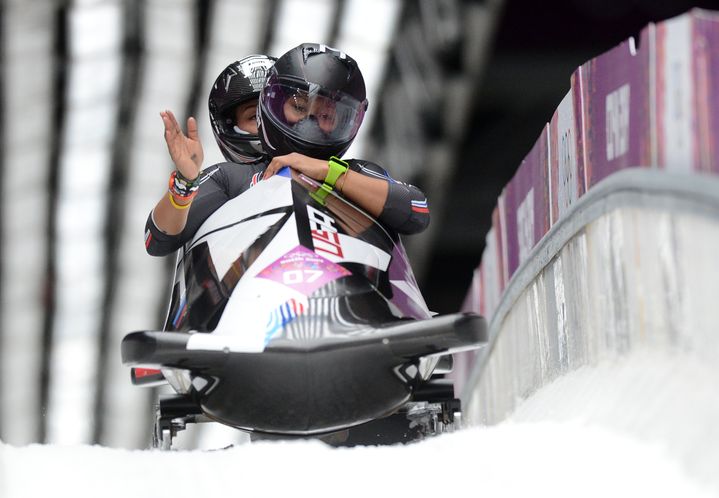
(294, 311)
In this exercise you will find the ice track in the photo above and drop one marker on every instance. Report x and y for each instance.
(586, 434)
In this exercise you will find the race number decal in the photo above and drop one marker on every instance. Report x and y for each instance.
(293, 277)
(303, 270)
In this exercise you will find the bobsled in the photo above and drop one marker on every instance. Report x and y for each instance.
(297, 315)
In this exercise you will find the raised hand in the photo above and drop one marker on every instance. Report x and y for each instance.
(185, 151)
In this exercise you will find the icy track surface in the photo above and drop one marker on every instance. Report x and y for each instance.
(594, 432)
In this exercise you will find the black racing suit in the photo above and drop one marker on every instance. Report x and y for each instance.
(405, 210)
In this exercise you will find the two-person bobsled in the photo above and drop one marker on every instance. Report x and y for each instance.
(293, 315)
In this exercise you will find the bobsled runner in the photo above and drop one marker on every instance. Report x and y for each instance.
(293, 315)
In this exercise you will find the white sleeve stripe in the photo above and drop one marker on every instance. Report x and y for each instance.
(370, 172)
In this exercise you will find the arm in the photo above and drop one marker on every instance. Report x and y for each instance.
(219, 183)
(366, 192)
(399, 206)
(170, 215)
(211, 195)
(406, 209)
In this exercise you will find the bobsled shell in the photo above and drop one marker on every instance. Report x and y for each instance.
(275, 194)
(284, 239)
(412, 303)
(408, 300)
(342, 247)
(243, 326)
(227, 242)
(308, 302)
(354, 251)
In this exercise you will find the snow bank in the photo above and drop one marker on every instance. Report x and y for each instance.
(527, 459)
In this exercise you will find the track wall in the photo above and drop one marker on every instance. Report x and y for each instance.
(605, 241)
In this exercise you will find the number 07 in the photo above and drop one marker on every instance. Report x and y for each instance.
(291, 277)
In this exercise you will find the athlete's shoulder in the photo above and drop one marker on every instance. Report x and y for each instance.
(370, 168)
(211, 172)
(240, 177)
(233, 170)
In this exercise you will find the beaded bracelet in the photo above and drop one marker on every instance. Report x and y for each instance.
(181, 186)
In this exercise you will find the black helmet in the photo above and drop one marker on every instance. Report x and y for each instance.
(313, 103)
(239, 82)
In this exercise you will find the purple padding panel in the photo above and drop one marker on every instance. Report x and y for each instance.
(494, 274)
(705, 48)
(580, 135)
(566, 158)
(464, 362)
(400, 271)
(500, 237)
(674, 107)
(615, 117)
(526, 204)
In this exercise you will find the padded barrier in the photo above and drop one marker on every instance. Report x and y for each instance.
(605, 241)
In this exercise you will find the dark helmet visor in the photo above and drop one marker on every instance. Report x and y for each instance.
(307, 112)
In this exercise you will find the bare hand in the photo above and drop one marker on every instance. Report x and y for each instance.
(309, 166)
(185, 151)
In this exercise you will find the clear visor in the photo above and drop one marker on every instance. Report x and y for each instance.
(312, 115)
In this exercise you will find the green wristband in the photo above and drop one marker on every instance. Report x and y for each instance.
(336, 168)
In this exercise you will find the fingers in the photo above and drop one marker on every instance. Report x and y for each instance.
(170, 135)
(314, 168)
(166, 121)
(173, 126)
(172, 120)
(192, 128)
(271, 169)
(275, 165)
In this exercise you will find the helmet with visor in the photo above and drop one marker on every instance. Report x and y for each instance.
(313, 102)
(239, 83)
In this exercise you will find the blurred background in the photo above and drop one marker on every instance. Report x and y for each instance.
(459, 90)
